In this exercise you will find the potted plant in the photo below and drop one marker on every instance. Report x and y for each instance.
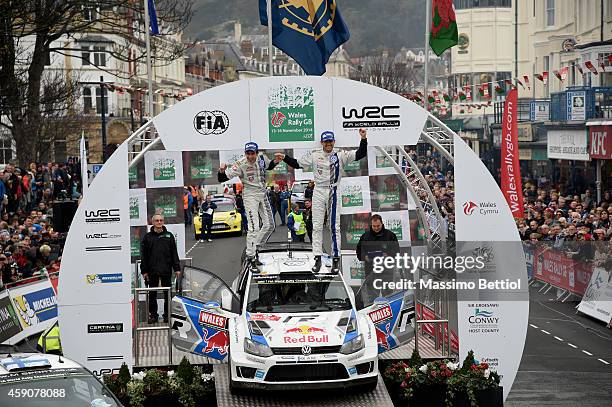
(189, 386)
(475, 385)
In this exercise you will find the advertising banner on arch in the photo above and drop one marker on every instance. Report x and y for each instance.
(512, 187)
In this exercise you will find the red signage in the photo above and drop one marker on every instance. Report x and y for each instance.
(510, 170)
(214, 320)
(553, 267)
(600, 138)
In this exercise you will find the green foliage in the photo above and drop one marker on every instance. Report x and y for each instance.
(185, 371)
(468, 362)
(415, 360)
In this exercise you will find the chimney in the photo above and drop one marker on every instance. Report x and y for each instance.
(237, 32)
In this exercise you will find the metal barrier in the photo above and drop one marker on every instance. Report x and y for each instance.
(167, 326)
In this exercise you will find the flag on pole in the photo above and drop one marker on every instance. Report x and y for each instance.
(443, 34)
(309, 31)
(579, 69)
(83, 157)
(591, 67)
(527, 81)
(153, 18)
(602, 64)
(520, 83)
(539, 77)
(564, 71)
(545, 77)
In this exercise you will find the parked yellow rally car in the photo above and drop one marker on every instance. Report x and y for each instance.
(226, 218)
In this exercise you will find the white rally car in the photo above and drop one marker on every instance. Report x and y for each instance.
(283, 326)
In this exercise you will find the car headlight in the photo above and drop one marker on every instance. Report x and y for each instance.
(232, 218)
(257, 349)
(352, 346)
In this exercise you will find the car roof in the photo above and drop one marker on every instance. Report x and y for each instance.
(24, 362)
(281, 258)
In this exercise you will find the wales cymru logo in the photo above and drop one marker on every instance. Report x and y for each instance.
(291, 113)
(468, 207)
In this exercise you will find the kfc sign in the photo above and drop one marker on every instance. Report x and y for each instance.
(600, 142)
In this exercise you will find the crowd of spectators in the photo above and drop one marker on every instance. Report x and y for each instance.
(29, 244)
(555, 216)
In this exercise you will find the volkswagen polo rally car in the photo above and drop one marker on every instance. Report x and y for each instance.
(281, 325)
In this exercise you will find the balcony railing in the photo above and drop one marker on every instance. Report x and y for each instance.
(581, 103)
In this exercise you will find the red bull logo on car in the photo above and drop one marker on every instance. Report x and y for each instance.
(212, 340)
(308, 334)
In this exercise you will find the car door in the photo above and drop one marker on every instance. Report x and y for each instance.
(391, 312)
(202, 314)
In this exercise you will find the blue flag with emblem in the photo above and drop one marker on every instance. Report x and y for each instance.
(307, 30)
(153, 18)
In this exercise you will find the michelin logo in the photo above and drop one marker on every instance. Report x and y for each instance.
(104, 278)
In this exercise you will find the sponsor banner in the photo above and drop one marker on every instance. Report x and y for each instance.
(138, 207)
(482, 212)
(136, 235)
(35, 306)
(116, 327)
(553, 267)
(168, 202)
(378, 164)
(136, 175)
(529, 250)
(200, 167)
(354, 195)
(600, 142)
(291, 112)
(483, 326)
(353, 270)
(82, 300)
(483, 215)
(597, 300)
(389, 118)
(510, 170)
(164, 169)
(397, 222)
(576, 106)
(352, 226)
(178, 230)
(388, 193)
(103, 342)
(355, 168)
(9, 323)
(208, 120)
(539, 111)
(568, 145)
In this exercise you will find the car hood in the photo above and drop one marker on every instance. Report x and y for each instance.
(221, 215)
(299, 329)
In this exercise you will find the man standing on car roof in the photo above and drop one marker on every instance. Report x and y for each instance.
(252, 172)
(327, 165)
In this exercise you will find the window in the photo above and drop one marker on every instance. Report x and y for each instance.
(90, 14)
(99, 54)
(99, 100)
(6, 150)
(87, 100)
(85, 55)
(550, 13)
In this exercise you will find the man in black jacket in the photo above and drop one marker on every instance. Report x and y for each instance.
(207, 212)
(159, 257)
(376, 242)
(308, 217)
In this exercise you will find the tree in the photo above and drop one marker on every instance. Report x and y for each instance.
(32, 31)
(387, 73)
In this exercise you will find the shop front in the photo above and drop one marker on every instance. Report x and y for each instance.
(600, 150)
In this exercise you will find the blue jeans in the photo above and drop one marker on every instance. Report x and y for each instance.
(283, 211)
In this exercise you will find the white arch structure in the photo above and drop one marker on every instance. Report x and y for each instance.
(246, 110)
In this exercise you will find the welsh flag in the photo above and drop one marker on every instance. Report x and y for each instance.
(443, 34)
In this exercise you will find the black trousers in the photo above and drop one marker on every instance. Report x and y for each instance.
(154, 281)
(207, 227)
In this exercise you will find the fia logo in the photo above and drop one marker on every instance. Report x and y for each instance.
(211, 122)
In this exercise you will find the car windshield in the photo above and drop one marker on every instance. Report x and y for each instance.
(225, 207)
(298, 188)
(297, 293)
(57, 387)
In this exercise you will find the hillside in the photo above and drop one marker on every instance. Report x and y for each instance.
(373, 23)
